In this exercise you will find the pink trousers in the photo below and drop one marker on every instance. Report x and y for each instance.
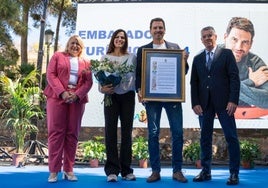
(64, 123)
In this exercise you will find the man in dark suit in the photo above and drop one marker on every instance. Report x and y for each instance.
(215, 89)
(154, 109)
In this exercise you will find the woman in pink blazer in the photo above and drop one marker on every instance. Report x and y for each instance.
(69, 80)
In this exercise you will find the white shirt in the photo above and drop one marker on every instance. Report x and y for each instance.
(160, 46)
(74, 70)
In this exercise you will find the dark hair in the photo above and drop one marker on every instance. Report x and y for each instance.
(208, 28)
(111, 46)
(157, 20)
(241, 23)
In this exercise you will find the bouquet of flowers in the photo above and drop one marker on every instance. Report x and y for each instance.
(110, 72)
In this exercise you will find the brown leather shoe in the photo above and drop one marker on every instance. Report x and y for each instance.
(155, 176)
(179, 177)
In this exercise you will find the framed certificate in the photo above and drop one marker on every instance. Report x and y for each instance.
(163, 75)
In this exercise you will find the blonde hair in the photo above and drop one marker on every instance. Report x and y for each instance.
(80, 43)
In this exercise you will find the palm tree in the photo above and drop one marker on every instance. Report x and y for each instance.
(9, 14)
(27, 7)
(21, 98)
(65, 11)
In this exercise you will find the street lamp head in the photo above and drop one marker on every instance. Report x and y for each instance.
(48, 36)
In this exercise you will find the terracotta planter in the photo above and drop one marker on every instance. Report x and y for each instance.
(18, 159)
(94, 163)
(247, 165)
(143, 163)
(198, 164)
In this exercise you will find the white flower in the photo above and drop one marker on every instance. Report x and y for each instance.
(110, 72)
(114, 67)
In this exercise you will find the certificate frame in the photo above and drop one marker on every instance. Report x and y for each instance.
(163, 75)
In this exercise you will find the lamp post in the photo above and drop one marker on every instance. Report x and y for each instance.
(48, 41)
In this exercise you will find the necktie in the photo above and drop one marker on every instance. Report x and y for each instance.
(209, 61)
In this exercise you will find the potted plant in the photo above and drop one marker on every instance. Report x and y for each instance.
(140, 151)
(192, 152)
(249, 151)
(21, 106)
(94, 151)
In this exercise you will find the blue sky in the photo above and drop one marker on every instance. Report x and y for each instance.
(34, 33)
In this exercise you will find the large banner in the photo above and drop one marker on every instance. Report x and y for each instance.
(96, 23)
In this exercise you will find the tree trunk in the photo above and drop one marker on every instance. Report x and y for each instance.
(58, 26)
(24, 36)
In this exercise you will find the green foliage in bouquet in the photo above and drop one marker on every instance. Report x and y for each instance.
(113, 67)
(110, 72)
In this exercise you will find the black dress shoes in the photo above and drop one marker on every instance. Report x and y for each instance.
(202, 176)
(233, 180)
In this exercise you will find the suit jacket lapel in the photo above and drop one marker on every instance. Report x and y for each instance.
(167, 45)
(215, 57)
(67, 62)
(204, 59)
